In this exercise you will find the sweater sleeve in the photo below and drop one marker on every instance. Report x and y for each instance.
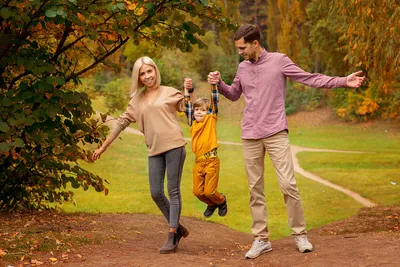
(124, 120)
(316, 80)
(177, 97)
(127, 117)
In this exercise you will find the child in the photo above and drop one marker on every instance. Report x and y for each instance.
(202, 119)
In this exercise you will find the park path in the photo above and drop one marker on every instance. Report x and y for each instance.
(297, 168)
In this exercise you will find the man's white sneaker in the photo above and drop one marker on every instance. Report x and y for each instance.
(257, 248)
(303, 244)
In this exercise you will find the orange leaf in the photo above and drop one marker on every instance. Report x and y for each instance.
(2, 253)
(81, 17)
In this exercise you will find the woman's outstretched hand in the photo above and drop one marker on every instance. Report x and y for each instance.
(97, 153)
(353, 80)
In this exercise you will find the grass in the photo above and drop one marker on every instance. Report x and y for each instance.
(347, 137)
(124, 165)
(374, 176)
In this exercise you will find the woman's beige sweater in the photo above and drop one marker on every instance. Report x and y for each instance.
(157, 120)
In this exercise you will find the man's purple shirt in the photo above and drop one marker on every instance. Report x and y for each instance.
(263, 84)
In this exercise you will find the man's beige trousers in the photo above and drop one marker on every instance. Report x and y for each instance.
(278, 149)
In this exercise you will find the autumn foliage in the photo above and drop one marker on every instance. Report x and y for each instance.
(45, 47)
(340, 37)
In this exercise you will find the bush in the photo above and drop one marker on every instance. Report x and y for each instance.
(356, 105)
(299, 97)
(100, 79)
(117, 94)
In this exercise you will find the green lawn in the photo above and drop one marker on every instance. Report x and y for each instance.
(374, 176)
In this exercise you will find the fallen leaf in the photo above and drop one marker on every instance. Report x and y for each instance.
(53, 259)
(36, 263)
(2, 253)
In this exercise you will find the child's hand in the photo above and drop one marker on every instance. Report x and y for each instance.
(188, 84)
(213, 77)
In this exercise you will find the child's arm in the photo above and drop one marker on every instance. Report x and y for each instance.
(214, 99)
(188, 85)
(187, 97)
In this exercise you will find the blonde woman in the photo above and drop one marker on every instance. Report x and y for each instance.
(154, 106)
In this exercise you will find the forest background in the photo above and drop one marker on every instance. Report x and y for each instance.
(330, 37)
(48, 49)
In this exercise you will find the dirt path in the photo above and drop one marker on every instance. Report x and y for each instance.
(314, 177)
(133, 240)
(295, 149)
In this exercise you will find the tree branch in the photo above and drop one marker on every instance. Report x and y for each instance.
(112, 51)
(13, 81)
(67, 31)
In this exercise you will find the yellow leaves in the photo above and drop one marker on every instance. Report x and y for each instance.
(341, 112)
(140, 11)
(133, 6)
(130, 5)
(81, 17)
(368, 106)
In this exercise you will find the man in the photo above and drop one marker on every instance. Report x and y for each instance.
(261, 77)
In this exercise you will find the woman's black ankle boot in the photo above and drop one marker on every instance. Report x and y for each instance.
(182, 231)
(171, 244)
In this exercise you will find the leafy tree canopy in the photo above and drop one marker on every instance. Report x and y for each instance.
(45, 47)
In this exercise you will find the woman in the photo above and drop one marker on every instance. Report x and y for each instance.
(154, 108)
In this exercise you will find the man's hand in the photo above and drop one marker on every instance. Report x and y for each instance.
(213, 77)
(354, 81)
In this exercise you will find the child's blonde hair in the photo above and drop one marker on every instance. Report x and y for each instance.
(202, 102)
(136, 83)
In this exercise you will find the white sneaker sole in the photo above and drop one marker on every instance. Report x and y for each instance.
(306, 250)
(262, 252)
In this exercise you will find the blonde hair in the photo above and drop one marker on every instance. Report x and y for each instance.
(202, 102)
(136, 83)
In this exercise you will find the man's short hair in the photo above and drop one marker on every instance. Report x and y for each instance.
(249, 32)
